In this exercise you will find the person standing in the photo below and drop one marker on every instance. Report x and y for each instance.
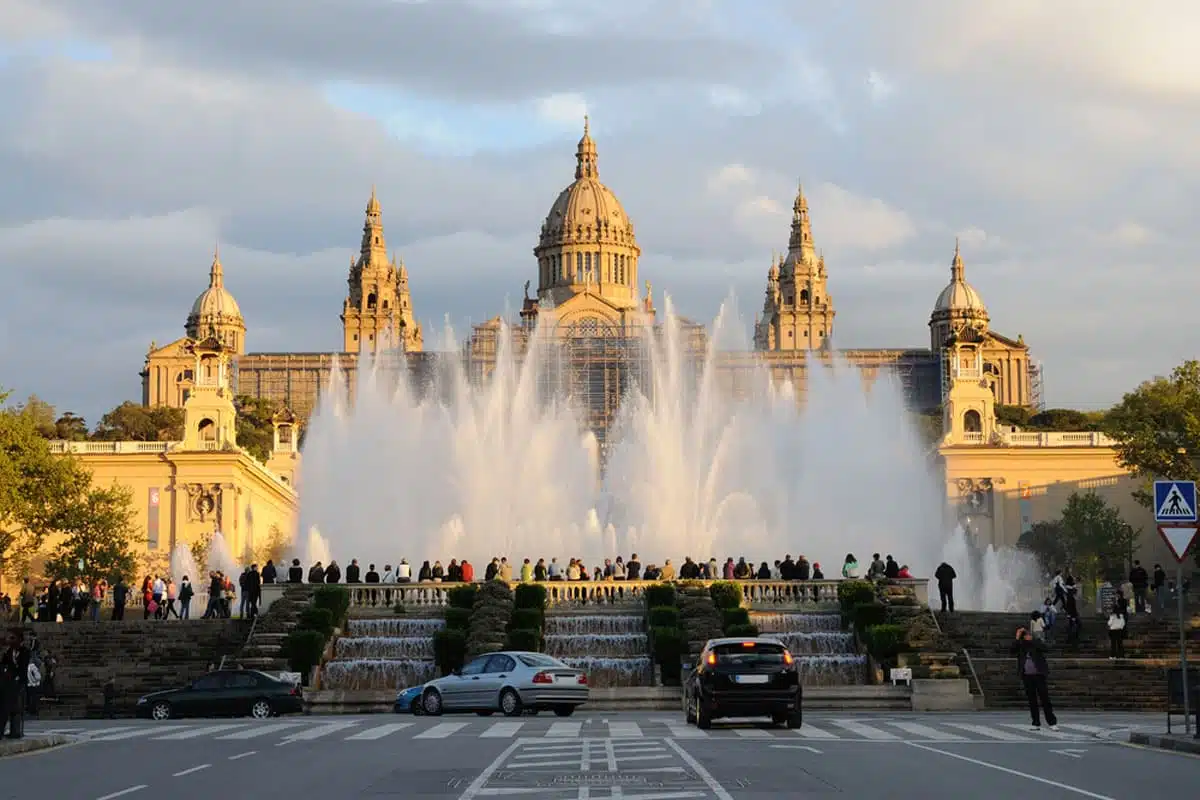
(1034, 672)
(1141, 581)
(253, 590)
(28, 600)
(946, 576)
(1116, 635)
(120, 597)
(14, 671)
(1160, 587)
(186, 592)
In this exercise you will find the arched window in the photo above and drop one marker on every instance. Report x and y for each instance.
(804, 296)
(972, 422)
(208, 430)
(371, 301)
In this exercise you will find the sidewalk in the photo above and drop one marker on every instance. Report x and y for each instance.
(1179, 742)
(28, 744)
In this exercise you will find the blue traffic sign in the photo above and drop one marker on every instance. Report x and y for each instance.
(1175, 501)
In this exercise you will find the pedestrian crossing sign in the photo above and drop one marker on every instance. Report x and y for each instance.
(1174, 501)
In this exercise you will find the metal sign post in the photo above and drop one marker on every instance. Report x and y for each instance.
(1183, 662)
(1175, 509)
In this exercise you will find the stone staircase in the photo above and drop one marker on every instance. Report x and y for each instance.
(263, 648)
(1081, 676)
(141, 656)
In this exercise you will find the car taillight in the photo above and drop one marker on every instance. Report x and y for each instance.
(712, 659)
(296, 690)
(582, 679)
(787, 658)
(543, 677)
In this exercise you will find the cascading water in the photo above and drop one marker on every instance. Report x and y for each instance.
(220, 558)
(824, 655)
(498, 469)
(382, 654)
(184, 565)
(611, 648)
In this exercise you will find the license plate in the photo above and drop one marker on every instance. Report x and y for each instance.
(752, 678)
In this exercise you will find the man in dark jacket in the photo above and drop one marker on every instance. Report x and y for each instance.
(1034, 671)
(253, 590)
(353, 572)
(295, 572)
(120, 596)
(946, 575)
(14, 671)
(1140, 580)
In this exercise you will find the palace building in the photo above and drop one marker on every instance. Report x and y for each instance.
(590, 300)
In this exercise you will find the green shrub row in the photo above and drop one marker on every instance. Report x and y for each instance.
(665, 616)
(853, 593)
(336, 599)
(660, 594)
(885, 641)
(864, 615)
(669, 646)
(725, 594)
(462, 596)
(527, 625)
(458, 619)
(305, 643)
(450, 649)
(490, 617)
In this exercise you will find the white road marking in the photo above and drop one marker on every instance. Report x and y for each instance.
(624, 758)
(988, 765)
(379, 732)
(753, 733)
(441, 730)
(616, 729)
(476, 786)
(1070, 753)
(564, 729)
(1045, 731)
(796, 747)
(197, 733)
(255, 731)
(926, 732)
(183, 772)
(685, 731)
(990, 732)
(318, 731)
(502, 730)
(115, 737)
(242, 755)
(807, 731)
(1076, 726)
(123, 792)
(704, 775)
(865, 731)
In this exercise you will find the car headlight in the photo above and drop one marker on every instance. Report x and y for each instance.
(142, 701)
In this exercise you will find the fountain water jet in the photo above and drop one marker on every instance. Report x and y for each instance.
(220, 557)
(183, 564)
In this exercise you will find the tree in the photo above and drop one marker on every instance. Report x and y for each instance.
(1013, 415)
(133, 422)
(1046, 541)
(41, 414)
(273, 549)
(99, 537)
(255, 429)
(1157, 429)
(71, 427)
(1097, 542)
(37, 488)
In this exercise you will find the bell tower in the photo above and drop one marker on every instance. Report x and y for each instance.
(968, 405)
(377, 314)
(209, 416)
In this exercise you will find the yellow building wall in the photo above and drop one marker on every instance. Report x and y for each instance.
(1045, 476)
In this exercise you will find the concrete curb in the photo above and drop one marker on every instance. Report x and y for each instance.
(1178, 744)
(29, 744)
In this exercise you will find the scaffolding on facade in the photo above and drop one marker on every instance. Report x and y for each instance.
(1037, 398)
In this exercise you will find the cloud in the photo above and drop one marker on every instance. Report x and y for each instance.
(1055, 140)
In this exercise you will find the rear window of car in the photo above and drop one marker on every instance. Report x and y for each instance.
(538, 660)
(749, 653)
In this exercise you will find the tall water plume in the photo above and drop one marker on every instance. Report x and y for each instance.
(183, 564)
(220, 557)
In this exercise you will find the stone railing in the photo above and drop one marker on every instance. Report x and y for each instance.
(1041, 439)
(107, 448)
(758, 594)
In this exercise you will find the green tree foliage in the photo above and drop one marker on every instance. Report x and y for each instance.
(41, 414)
(38, 488)
(72, 427)
(1045, 540)
(1096, 540)
(1157, 429)
(99, 538)
(1013, 415)
(135, 422)
(1065, 420)
(255, 431)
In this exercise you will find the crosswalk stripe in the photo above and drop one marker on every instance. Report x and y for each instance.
(864, 731)
(115, 737)
(564, 729)
(988, 731)
(753, 733)
(197, 733)
(624, 729)
(318, 731)
(103, 731)
(441, 730)
(502, 730)
(807, 731)
(378, 732)
(1078, 726)
(927, 732)
(1045, 731)
(679, 731)
(254, 731)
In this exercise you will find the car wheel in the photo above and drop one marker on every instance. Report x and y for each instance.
(795, 720)
(703, 718)
(487, 713)
(431, 703)
(688, 716)
(416, 707)
(160, 711)
(510, 703)
(564, 711)
(261, 709)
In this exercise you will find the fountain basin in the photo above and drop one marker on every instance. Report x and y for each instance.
(612, 645)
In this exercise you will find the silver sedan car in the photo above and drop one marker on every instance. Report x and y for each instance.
(511, 682)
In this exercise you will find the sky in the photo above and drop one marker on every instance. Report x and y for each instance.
(1055, 140)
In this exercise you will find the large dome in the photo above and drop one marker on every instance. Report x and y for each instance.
(959, 300)
(587, 210)
(215, 313)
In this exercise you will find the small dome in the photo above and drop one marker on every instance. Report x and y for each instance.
(216, 301)
(959, 299)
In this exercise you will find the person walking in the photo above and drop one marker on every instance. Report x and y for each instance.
(1116, 635)
(946, 576)
(1034, 672)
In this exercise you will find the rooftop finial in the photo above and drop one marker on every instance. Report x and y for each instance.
(585, 154)
(956, 266)
(373, 203)
(216, 274)
(587, 125)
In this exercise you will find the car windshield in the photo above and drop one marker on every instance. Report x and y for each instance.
(750, 654)
(539, 660)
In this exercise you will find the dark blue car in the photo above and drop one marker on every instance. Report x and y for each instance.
(407, 700)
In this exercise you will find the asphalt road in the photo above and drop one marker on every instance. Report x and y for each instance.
(634, 756)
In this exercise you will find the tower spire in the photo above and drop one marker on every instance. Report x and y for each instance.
(585, 154)
(956, 266)
(374, 246)
(216, 274)
(800, 244)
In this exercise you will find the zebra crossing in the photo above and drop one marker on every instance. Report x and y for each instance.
(373, 729)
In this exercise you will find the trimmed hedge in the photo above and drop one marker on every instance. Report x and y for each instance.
(462, 596)
(669, 646)
(336, 599)
(449, 650)
(733, 617)
(458, 619)
(853, 593)
(531, 619)
(490, 618)
(726, 594)
(742, 630)
(864, 615)
(524, 639)
(319, 620)
(530, 595)
(303, 648)
(664, 616)
(660, 594)
(885, 641)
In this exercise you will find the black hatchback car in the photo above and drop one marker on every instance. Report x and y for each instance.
(743, 677)
(225, 693)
